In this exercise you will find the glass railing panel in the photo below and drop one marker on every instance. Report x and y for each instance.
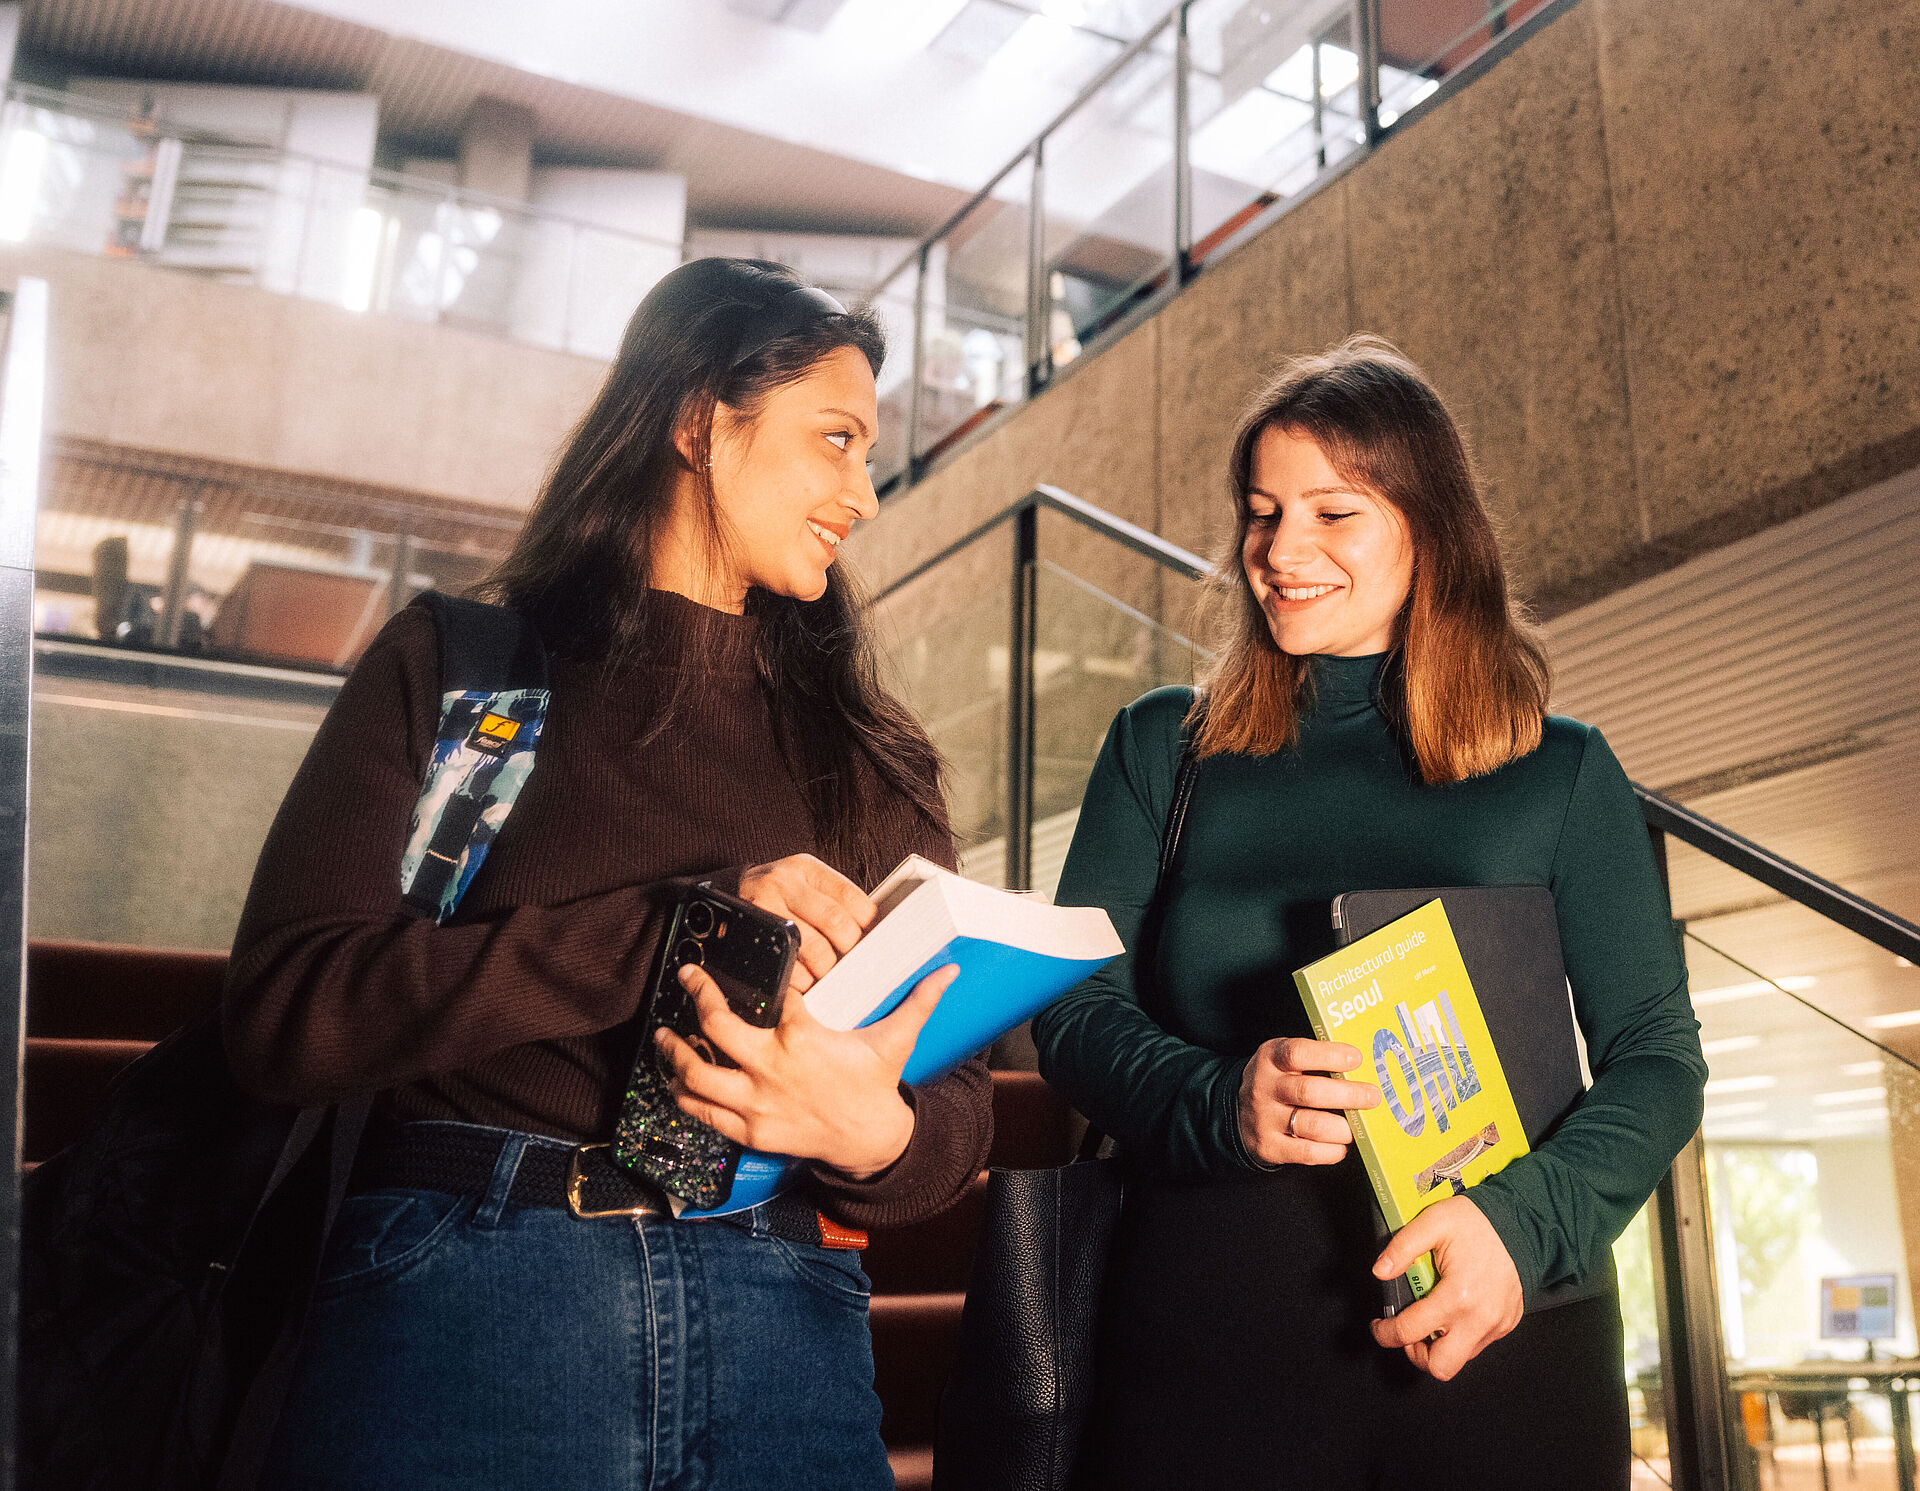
(74, 176)
(271, 571)
(943, 641)
(1646, 1373)
(1110, 203)
(1424, 42)
(893, 302)
(1275, 104)
(70, 181)
(1812, 1107)
(976, 316)
(1111, 625)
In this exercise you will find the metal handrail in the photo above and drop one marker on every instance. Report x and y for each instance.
(1143, 298)
(1129, 535)
(1878, 925)
(1875, 923)
(1100, 80)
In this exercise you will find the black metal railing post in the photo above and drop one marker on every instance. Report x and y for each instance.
(1366, 41)
(1182, 147)
(919, 370)
(1021, 636)
(1693, 1364)
(1039, 287)
(21, 406)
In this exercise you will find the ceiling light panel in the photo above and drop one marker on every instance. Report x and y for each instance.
(805, 15)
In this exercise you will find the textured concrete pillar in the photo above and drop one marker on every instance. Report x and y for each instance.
(496, 149)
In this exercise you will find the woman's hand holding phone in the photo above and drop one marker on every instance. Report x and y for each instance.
(1291, 1115)
(800, 1088)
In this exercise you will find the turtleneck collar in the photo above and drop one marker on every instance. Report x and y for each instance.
(1346, 685)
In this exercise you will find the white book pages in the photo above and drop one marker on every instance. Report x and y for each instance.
(924, 907)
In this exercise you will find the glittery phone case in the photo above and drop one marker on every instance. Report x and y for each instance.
(749, 953)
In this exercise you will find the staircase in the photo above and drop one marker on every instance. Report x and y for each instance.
(91, 1009)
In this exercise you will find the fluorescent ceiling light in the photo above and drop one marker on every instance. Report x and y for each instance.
(1894, 1021)
(894, 25)
(1853, 1115)
(1741, 1129)
(1850, 1095)
(1728, 1044)
(1740, 1084)
(1734, 1110)
(1861, 1069)
(1793, 984)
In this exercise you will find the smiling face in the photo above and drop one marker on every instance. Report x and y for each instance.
(1330, 563)
(790, 482)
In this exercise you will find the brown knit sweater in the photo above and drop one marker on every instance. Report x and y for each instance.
(523, 1010)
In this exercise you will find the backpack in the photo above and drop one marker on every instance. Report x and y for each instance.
(168, 1253)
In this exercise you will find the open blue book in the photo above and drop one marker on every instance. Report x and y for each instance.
(1016, 955)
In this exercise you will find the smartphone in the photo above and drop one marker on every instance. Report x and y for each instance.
(749, 953)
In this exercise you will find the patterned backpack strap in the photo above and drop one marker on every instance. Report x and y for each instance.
(493, 702)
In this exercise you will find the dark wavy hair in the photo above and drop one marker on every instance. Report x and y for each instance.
(1468, 689)
(580, 567)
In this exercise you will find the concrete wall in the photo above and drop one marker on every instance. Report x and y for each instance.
(164, 361)
(1661, 260)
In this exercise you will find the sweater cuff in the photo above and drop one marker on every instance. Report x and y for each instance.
(952, 1129)
(1226, 1118)
(1515, 1235)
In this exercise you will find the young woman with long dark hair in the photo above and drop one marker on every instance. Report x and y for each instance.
(1374, 719)
(714, 713)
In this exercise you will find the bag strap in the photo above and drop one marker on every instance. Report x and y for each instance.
(485, 652)
(245, 1458)
(1183, 779)
(493, 705)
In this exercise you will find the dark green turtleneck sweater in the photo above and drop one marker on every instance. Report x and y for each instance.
(1155, 1056)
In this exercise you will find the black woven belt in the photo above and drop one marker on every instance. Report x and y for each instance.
(460, 1160)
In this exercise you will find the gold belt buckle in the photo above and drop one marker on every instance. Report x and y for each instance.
(577, 1191)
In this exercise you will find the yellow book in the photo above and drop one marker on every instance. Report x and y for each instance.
(1402, 996)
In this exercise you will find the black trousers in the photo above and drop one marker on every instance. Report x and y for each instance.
(1235, 1356)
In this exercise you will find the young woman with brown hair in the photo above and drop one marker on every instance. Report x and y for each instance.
(714, 714)
(1375, 719)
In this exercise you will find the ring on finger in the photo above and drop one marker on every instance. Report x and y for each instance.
(1292, 1114)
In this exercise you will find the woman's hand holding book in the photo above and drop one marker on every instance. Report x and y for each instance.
(1477, 1301)
(801, 1089)
(1291, 1115)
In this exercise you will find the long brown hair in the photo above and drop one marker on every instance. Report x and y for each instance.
(1467, 689)
(579, 569)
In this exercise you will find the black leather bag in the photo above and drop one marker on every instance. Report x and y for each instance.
(1016, 1403)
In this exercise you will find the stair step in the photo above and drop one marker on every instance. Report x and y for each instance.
(930, 1257)
(99, 991)
(914, 1336)
(64, 1080)
(1032, 1124)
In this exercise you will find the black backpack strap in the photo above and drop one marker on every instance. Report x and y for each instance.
(491, 649)
(245, 1459)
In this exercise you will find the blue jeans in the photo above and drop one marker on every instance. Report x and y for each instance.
(457, 1341)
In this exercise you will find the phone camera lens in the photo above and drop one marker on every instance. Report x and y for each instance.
(699, 919)
(690, 951)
